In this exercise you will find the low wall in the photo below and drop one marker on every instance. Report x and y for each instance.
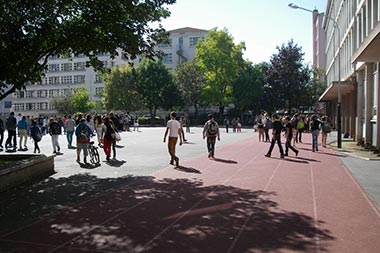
(16, 169)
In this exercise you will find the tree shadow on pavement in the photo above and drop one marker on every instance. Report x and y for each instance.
(144, 214)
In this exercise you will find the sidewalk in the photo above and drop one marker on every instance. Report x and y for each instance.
(240, 202)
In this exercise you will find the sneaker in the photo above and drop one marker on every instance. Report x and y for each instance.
(297, 153)
(282, 156)
(177, 162)
(171, 162)
(267, 155)
(78, 160)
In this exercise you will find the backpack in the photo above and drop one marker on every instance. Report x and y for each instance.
(110, 133)
(55, 128)
(326, 127)
(83, 136)
(300, 124)
(37, 136)
(212, 128)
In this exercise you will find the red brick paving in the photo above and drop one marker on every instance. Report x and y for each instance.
(240, 202)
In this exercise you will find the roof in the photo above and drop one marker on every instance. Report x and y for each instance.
(187, 30)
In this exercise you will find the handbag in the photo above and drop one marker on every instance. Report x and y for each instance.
(117, 136)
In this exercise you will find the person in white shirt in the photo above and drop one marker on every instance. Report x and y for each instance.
(173, 128)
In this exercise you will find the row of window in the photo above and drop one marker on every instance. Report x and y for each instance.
(50, 93)
(53, 57)
(74, 66)
(43, 106)
(192, 42)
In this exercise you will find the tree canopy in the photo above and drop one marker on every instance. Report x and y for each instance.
(121, 89)
(31, 31)
(156, 86)
(288, 77)
(190, 81)
(220, 60)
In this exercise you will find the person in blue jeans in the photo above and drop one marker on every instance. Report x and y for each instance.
(315, 125)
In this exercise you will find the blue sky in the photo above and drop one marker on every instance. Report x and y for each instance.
(261, 24)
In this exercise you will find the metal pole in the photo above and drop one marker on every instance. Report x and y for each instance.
(339, 94)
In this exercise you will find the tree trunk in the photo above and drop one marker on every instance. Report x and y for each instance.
(221, 111)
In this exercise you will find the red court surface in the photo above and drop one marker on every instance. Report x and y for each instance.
(239, 202)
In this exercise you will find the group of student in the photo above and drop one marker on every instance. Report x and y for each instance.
(293, 129)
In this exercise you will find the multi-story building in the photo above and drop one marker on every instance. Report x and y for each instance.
(352, 55)
(64, 75)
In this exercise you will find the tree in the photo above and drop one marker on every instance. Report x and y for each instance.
(190, 82)
(220, 60)
(63, 104)
(80, 100)
(249, 87)
(156, 86)
(121, 89)
(32, 31)
(287, 77)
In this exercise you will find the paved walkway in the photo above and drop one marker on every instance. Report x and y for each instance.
(239, 202)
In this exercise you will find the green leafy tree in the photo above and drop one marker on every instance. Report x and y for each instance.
(190, 81)
(288, 77)
(248, 89)
(31, 31)
(220, 60)
(63, 104)
(156, 86)
(121, 89)
(80, 100)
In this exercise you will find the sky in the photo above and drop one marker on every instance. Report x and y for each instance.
(261, 24)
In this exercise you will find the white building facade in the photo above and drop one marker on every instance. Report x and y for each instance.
(64, 75)
(352, 55)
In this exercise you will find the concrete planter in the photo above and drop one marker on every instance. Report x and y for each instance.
(16, 169)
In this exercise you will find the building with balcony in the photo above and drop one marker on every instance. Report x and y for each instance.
(352, 53)
(64, 75)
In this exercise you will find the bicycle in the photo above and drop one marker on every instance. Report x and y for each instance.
(93, 153)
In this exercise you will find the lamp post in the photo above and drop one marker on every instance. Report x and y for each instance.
(339, 109)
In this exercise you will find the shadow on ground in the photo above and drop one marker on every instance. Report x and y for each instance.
(141, 214)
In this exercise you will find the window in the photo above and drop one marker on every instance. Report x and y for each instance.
(54, 80)
(67, 66)
(164, 45)
(193, 41)
(99, 91)
(167, 58)
(42, 93)
(79, 79)
(98, 79)
(180, 43)
(79, 66)
(30, 93)
(7, 104)
(30, 106)
(53, 67)
(66, 79)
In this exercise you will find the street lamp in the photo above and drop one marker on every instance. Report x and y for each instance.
(339, 109)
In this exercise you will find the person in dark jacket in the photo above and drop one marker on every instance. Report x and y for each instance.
(55, 131)
(276, 136)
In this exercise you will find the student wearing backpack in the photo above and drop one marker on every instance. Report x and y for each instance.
(83, 133)
(1, 133)
(36, 134)
(54, 131)
(211, 131)
(173, 128)
(11, 125)
(277, 129)
(108, 137)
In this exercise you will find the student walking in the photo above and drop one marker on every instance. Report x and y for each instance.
(70, 127)
(36, 134)
(2, 129)
(211, 131)
(55, 130)
(83, 133)
(108, 137)
(276, 136)
(315, 126)
(11, 125)
(289, 136)
(173, 128)
(22, 127)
